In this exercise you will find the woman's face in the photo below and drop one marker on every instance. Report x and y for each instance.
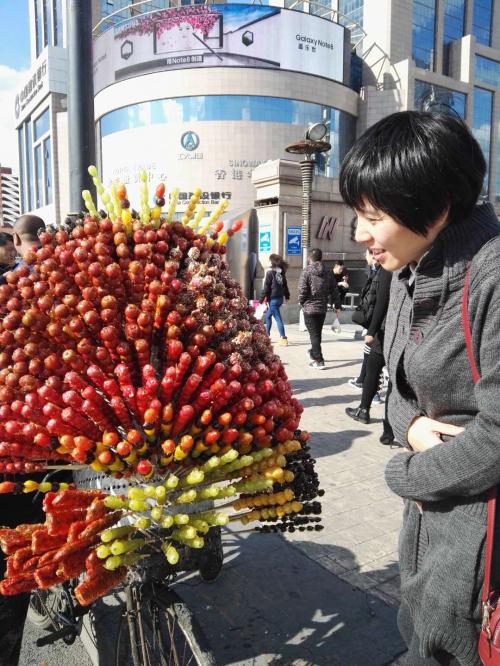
(391, 244)
(8, 254)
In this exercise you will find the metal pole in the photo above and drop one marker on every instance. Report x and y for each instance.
(306, 171)
(81, 132)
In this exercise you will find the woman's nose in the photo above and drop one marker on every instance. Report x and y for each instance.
(362, 233)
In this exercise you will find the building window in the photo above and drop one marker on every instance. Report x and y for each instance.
(38, 27)
(57, 22)
(238, 108)
(43, 159)
(429, 97)
(22, 167)
(47, 24)
(481, 127)
(47, 170)
(481, 21)
(42, 124)
(453, 28)
(497, 184)
(487, 71)
(352, 11)
(29, 164)
(424, 33)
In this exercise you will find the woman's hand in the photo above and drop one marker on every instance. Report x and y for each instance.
(368, 340)
(424, 433)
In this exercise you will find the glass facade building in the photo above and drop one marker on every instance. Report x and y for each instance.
(424, 33)
(453, 28)
(488, 71)
(245, 108)
(482, 14)
(482, 117)
(432, 97)
(35, 162)
(48, 24)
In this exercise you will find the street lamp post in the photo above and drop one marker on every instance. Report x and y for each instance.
(308, 147)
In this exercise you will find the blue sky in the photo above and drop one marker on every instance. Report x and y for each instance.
(14, 63)
(15, 43)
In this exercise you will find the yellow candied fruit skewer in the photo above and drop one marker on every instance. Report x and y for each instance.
(173, 204)
(193, 202)
(197, 218)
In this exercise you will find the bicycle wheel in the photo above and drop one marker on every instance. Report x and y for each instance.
(165, 633)
(42, 608)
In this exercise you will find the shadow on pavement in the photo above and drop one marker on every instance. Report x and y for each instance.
(315, 383)
(328, 444)
(274, 604)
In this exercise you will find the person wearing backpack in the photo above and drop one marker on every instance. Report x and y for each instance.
(275, 289)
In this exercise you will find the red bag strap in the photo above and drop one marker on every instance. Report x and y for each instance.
(492, 493)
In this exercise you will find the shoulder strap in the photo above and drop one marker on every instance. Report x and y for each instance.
(492, 493)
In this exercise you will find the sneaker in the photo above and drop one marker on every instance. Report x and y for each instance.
(283, 342)
(377, 399)
(317, 365)
(355, 384)
(358, 414)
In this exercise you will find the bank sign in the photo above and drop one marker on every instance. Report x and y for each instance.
(219, 35)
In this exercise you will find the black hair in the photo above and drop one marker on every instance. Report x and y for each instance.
(413, 166)
(339, 262)
(316, 254)
(5, 239)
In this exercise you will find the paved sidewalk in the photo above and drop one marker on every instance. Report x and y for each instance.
(361, 516)
(309, 598)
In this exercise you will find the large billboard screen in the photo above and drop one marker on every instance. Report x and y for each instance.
(231, 35)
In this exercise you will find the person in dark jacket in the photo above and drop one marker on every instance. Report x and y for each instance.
(316, 287)
(342, 279)
(274, 291)
(380, 288)
(414, 180)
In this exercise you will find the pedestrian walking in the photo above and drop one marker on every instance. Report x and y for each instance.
(377, 304)
(414, 180)
(274, 291)
(316, 287)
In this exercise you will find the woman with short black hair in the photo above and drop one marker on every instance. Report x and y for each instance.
(414, 180)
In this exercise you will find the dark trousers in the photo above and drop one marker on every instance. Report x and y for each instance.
(14, 510)
(314, 324)
(362, 372)
(374, 364)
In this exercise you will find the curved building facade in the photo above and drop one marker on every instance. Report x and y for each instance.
(200, 95)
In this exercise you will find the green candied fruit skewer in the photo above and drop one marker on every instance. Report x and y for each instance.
(114, 502)
(229, 457)
(138, 506)
(187, 497)
(185, 532)
(116, 533)
(122, 546)
(172, 482)
(170, 553)
(102, 552)
(181, 519)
